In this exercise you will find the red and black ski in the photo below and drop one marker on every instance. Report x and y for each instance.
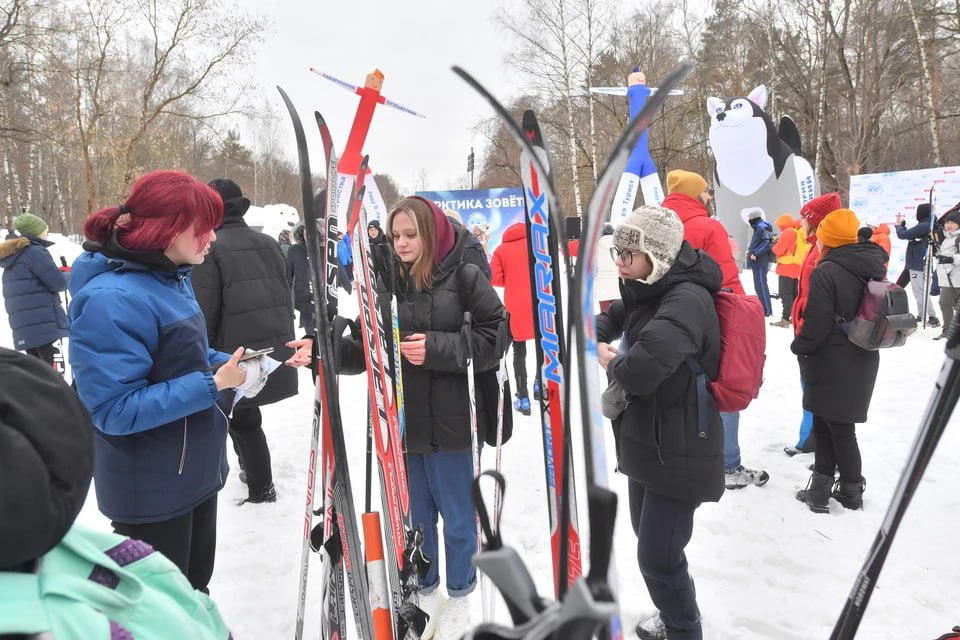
(326, 413)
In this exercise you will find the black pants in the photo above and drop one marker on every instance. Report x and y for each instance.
(520, 367)
(788, 293)
(189, 541)
(45, 352)
(251, 446)
(663, 526)
(837, 448)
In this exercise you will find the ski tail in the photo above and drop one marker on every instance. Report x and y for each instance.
(326, 534)
(404, 553)
(946, 392)
(541, 205)
(326, 401)
(544, 233)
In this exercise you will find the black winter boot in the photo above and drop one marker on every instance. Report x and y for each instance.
(850, 494)
(817, 494)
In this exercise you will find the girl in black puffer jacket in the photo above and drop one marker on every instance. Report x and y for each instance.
(434, 290)
(838, 375)
(674, 463)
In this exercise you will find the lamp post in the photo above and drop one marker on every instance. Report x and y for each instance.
(470, 166)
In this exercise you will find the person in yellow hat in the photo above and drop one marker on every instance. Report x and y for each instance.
(838, 375)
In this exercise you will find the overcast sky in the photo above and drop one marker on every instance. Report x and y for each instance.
(414, 44)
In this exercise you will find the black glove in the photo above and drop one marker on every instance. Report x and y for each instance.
(942, 259)
(347, 352)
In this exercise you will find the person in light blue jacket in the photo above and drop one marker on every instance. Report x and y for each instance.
(138, 347)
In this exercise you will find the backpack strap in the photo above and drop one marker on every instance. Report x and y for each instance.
(837, 318)
(701, 377)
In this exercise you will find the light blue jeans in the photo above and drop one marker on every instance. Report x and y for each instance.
(440, 485)
(731, 440)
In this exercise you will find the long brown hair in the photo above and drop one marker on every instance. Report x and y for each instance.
(421, 271)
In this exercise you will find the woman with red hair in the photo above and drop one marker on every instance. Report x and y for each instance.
(138, 347)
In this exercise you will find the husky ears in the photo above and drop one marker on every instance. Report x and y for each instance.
(714, 106)
(759, 96)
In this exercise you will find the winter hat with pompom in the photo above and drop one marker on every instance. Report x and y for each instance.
(655, 231)
(817, 209)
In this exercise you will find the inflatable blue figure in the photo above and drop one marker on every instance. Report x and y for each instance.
(640, 172)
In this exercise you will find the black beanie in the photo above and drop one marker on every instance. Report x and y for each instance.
(46, 458)
(952, 216)
(373, 223)
(234, 203)
(923, 212)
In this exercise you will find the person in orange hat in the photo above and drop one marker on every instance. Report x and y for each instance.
(790, 249)
(838, 375)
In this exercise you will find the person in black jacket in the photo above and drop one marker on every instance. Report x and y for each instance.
(298, 273)
(665, 316)
(838, 375)
(243, 290)
(435, 286)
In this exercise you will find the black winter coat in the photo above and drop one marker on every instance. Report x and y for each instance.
(838, 376)
(243, 290)
(658, 442)
(298, 272)
(435, 393)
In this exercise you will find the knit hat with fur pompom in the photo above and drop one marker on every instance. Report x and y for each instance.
(655, 231)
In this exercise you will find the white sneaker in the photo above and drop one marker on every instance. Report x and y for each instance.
(454, 619)
(432, 604)
(742, 476)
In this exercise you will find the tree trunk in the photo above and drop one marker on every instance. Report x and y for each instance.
(932, 116)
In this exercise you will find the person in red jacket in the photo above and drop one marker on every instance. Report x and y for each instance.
(688, 196)
(811, 214)
(511, 271)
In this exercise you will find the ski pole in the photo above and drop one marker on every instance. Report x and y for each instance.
(945, 394)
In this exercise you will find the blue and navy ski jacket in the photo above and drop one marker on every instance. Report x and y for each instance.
(760, 243)
(31, 289)
(138, 348)
(917, 237)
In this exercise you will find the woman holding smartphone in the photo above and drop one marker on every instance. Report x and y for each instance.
(138, 347)
(434, 290)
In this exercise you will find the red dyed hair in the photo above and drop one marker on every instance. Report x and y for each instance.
(161, 205)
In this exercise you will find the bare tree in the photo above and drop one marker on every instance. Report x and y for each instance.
(552, 65)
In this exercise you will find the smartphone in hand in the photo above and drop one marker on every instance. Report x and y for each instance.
(249, 355)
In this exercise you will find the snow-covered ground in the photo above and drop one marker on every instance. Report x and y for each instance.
(764, 565)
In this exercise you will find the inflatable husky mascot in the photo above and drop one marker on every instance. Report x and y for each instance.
(757, 164)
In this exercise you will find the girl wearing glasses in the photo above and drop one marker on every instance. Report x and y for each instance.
(666, 314)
